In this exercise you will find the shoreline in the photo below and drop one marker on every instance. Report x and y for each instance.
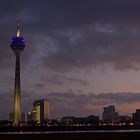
(66, 128)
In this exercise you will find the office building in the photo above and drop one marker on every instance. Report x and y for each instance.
(136, 116)
(109, 114)
(40, 110)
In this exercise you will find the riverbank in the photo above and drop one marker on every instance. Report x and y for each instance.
(74, 136)
(65, 128)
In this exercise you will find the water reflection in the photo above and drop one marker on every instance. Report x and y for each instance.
(57, 132)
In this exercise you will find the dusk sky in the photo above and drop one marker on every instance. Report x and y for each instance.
(81, 55)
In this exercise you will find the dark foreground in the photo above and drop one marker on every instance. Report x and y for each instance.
(74, 136)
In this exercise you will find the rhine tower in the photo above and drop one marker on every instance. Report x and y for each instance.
(17, 45)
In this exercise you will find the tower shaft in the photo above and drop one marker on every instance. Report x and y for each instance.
(17, 95)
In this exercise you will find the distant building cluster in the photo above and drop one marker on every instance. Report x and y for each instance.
(110, 116)
(40, 114)
(71, 120)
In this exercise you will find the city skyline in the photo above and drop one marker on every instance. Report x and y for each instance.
(80, 53)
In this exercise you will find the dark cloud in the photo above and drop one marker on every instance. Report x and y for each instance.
(111, 35)
(95, 45)
(115, 97)
(63, 80)
(39, 85)
(85, 34)
(119, 97)
(67, 36)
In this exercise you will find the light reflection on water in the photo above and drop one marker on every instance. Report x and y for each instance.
(57, 132)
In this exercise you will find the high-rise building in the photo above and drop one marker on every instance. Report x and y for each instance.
(109, 114)
(17, 45)
(40, 110)
(136, 116)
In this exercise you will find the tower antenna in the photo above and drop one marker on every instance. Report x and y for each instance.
(18, 31)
